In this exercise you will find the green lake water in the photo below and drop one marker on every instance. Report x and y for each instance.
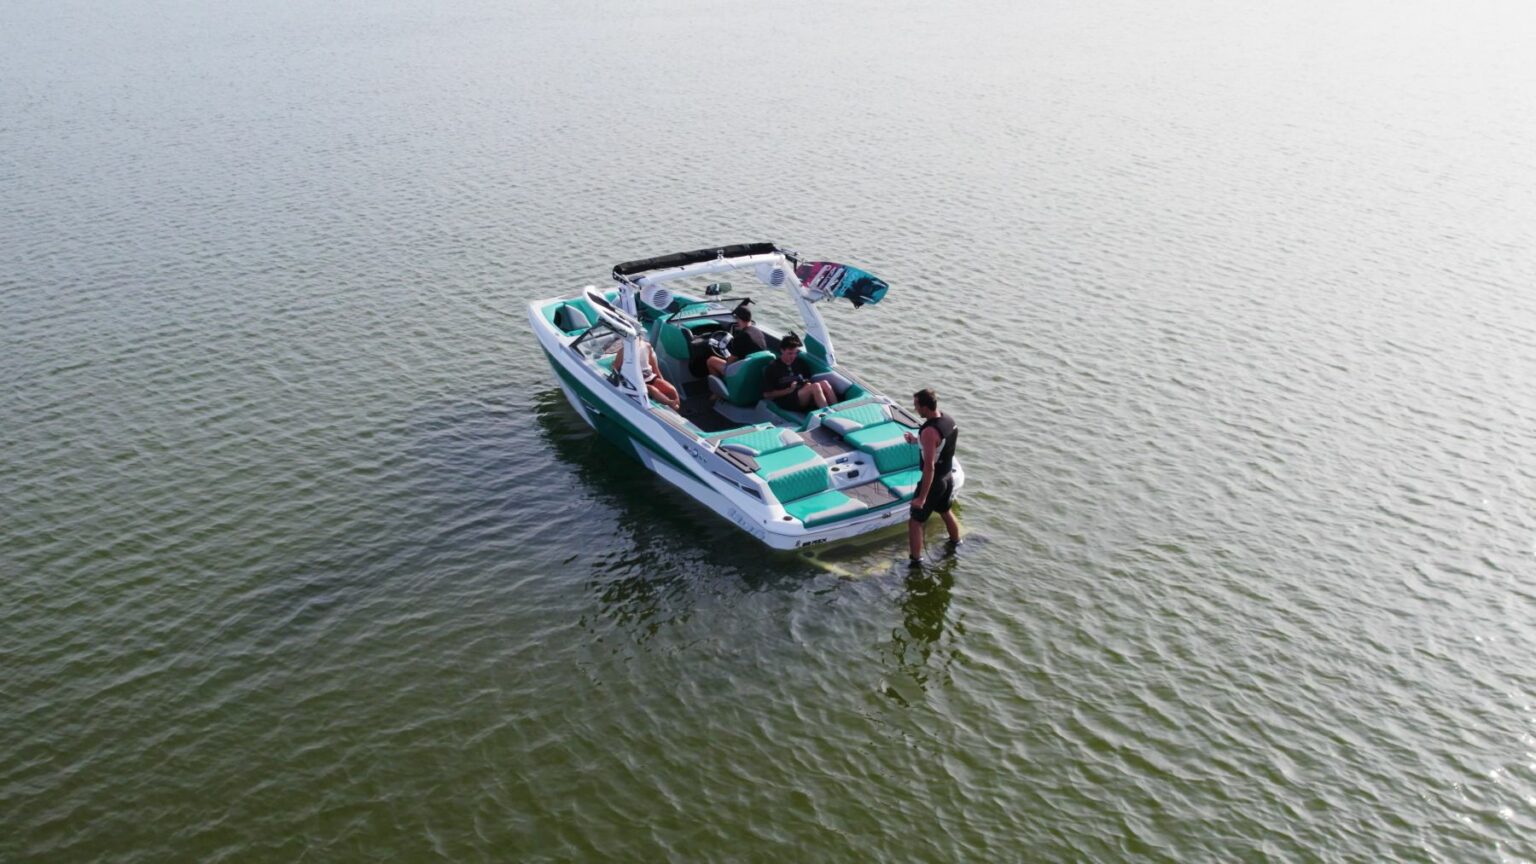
(305, 557)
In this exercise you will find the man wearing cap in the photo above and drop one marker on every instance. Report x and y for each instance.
(745, 339)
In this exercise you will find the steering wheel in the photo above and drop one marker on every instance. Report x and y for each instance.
(719, 343)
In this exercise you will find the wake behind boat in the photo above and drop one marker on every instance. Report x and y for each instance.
(789, 478)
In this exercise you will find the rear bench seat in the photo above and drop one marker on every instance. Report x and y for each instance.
(756, 440)
(886, 443)
(800, 480)
(878, 429)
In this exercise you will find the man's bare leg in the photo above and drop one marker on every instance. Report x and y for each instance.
(951, 523)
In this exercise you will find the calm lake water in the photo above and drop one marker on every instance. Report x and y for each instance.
(306, 558)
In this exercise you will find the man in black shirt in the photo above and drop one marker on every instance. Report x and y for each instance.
(787, 380)
(937, 437)
(745, 339)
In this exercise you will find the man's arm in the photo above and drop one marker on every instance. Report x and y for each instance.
(929, 438)
(767, 380)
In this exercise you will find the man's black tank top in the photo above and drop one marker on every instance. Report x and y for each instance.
(947, 435)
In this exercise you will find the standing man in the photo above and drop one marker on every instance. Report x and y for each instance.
(937, 437)
(745, 339)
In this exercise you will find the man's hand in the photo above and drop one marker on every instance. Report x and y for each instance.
(909, 437)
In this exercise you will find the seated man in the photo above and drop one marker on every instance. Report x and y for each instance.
(745, 339)
(650, 372)
(787, 380)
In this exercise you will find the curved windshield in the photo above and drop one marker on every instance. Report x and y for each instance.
(599, 341)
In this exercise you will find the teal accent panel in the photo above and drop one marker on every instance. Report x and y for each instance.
(615, 428)
(817, 351)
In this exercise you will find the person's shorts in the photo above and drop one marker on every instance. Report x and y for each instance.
(939, 496)
(789, 401)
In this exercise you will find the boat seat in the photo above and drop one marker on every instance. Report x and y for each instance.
(758, 440)
(824, 507)
(571, 318)
(672, 351)
(903, 484)
(886, 443)
(800, 480)
(846, 417)
(794, 472)
(742, 383)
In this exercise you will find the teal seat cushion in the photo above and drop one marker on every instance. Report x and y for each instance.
(886, 443)
(794, 473)
(764, 438)
(903, 484)
(744, 379)
(855, 417)
(584, 315)
(824, 507)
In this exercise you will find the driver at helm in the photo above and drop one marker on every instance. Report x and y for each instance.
(746, 339)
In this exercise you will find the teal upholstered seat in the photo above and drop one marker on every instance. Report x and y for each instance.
(576, 314)
(886, 443)
(903, 484)
(801, 482)
(758, 440)
(673, 341)
(744, 379)
(794, 473)
(824, 507)
(853, 416)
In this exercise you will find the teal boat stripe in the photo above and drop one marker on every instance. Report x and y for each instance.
(634, 432)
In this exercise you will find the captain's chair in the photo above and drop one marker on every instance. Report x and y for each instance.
(742, 383)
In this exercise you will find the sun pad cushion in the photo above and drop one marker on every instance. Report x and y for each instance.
(794, 473)
(763, 439)
(856, 417)
(903, 484)
(824, 507)
(886, 443)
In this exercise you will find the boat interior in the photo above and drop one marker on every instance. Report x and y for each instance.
(822, 465)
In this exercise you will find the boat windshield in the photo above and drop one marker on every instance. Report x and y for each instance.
(599, 341)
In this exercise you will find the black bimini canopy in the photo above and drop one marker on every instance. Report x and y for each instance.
(630, 269)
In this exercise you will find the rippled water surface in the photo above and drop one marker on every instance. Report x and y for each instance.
(305, 556)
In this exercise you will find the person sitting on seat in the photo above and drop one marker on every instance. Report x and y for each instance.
(650, 372)
(787, 380)
(745, 339)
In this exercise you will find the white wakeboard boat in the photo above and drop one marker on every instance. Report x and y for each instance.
(788, 478)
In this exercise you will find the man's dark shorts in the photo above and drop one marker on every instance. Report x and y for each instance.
(939, 496)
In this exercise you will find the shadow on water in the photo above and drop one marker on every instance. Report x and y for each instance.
(482, 494)
(650, 551)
